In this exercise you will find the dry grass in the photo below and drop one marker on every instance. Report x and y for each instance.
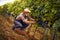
(7, 34)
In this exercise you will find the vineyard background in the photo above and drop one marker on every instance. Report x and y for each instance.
(45, 11)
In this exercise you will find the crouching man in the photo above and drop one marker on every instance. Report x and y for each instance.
(22, 21)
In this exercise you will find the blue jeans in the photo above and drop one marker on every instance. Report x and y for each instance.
(19, 24)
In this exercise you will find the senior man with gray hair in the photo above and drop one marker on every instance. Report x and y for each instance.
(22, 21)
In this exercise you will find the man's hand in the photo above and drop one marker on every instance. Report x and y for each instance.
(33, 22)
(32, 19)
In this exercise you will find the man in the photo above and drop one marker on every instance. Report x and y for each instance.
(22, 21)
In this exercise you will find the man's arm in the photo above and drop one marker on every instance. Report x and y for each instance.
(26, 21)
(31, 18)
